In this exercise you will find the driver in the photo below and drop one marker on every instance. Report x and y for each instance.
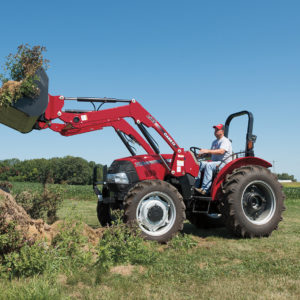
(221, 154)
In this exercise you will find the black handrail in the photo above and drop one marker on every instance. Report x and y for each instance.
(94, 99)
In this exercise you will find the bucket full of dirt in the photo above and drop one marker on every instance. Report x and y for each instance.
(23, 114)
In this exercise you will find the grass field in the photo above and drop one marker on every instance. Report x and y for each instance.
(291, 184)
(75, 192)
(219, 267)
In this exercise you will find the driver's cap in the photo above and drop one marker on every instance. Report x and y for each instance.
(219, 127)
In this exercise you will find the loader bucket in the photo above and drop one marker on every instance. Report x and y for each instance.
(23, 114)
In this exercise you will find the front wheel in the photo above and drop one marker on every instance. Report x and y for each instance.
(158, 209)
(104, 214)
(252, 202)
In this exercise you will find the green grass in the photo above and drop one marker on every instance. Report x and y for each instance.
(74, 192)
(219, 267)
(85, 209)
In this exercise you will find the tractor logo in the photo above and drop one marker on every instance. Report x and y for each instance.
(169, 139)
(151, 119)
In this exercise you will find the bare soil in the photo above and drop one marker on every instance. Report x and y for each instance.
(122, 270)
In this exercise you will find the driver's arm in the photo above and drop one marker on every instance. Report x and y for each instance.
(210, 151)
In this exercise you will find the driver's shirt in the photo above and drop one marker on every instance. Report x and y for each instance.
(223, 143)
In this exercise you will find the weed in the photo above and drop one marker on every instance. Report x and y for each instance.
(182, 242)
(121, 244)
(70, 245)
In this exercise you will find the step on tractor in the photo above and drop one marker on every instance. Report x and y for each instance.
(155, 190)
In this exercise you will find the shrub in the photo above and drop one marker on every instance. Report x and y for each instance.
(19, 74)
(5, 186)
(10, 238)
(69, 250)
(19, 257)
(30, 260)
(41, 205)
(53, 200)
(121, 244)
(70, 245)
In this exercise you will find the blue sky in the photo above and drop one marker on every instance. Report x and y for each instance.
(190, 64)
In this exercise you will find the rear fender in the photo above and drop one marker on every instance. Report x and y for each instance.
(228, 169)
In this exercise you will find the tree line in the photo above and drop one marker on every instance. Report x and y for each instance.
(59, 170)
(286, 176)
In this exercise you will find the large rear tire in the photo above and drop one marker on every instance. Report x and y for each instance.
(158, 209)
(252, 202)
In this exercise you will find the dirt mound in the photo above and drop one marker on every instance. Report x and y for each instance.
(92, 234)
(33, 230)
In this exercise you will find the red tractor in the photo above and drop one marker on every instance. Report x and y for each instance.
(157, 190)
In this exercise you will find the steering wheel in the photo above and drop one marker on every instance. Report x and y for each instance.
(195, 150)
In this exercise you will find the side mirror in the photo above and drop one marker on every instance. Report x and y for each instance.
(95, 180)
(104, 173)
(95, 175)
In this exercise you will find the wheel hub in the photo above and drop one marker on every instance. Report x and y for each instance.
(254, 201)
(155, 213)
(258, 202)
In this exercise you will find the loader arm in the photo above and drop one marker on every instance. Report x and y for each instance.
(77, 122)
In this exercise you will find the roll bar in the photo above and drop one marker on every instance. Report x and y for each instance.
(250, 137)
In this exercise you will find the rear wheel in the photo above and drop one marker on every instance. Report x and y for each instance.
(252, 202)
(158, 209)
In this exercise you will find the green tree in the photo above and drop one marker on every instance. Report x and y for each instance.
(68, 170)
(286, 176)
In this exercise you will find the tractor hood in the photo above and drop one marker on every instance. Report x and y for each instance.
(145, 167)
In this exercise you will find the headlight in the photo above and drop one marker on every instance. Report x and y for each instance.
(120, 178)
